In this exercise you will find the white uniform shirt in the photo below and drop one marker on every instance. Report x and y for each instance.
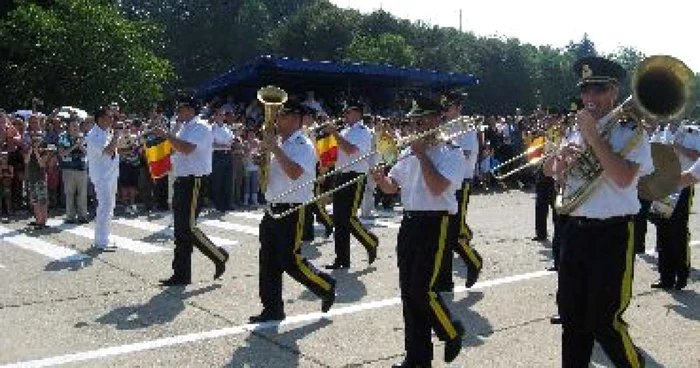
(688, 138)
(222, 134)
(361, 137)
(469, 141)
(101, 167)
(608, 199)
(449, 161)
(695, 170)
(198, 162)
(299, 149)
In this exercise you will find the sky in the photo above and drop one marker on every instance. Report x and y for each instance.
(669, 27)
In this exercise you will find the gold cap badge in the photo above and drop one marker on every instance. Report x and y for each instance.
(586, 71)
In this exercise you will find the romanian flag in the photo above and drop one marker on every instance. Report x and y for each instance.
(326, 149)
(157, 153)
(535, 150)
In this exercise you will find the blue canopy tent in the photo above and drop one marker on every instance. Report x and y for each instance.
(330, 78)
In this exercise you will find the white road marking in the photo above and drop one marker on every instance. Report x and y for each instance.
(119, 241)
(165, 230)
(259, 216)
(237, 330)
(695, 243)
(40, 246)
(251, 230)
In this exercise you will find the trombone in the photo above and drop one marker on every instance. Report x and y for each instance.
(541, 148)
(464, 124)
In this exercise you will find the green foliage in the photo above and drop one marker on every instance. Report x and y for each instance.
(386, 49)
(82, 53)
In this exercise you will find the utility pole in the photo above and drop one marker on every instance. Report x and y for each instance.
(460, 20)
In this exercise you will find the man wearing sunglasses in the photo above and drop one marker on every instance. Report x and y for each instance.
(597, 257)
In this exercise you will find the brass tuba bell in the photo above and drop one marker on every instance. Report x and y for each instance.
(272, 98)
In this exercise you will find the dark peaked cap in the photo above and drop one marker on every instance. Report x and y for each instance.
(598, 70)
(423, 106)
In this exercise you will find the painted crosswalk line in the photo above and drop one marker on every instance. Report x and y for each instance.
(40, 246)
(251, 230)
(119, 241)
(168, 231)
(259, 216)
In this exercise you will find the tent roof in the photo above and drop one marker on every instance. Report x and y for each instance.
(290, 73)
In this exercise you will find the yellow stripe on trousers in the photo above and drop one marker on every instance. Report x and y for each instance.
(298, 258)
(193, 223)
(470, 252)
(354, 222)
(432, 296)
(464, 229)
(625, 296)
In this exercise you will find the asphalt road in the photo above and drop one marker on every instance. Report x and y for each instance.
(60, 303)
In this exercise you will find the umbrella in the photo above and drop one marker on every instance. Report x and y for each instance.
(65, 112)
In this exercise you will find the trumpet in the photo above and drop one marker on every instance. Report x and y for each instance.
(464, 123)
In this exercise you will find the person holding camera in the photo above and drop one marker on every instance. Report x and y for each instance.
(72, 151)
(35, 176)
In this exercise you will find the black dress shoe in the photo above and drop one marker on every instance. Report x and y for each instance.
(552, 268)
(328, 300)
(539, 238)
(453, 347)
(681, 284)
(221, 266)
(175, 281)
(337, 266)
(662, 285)
(372, 253)
(267, 316)
(555, 320)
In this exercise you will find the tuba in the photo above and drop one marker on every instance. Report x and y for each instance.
(272, 98)
(662, 89)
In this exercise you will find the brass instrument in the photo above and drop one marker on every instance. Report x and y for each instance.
(434, 135)
(540, 150)
(272, 98)
(662, 89)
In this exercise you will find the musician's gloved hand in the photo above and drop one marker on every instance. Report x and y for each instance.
(587, 124)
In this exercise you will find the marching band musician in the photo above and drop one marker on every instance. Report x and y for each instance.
(353, 142)
(597, 260)
(673, 234)
(428, 175)
(317, 209)
(293, 162)
(192, 143)
(469, 144)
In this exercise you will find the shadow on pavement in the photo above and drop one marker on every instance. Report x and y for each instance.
(160, 309)
(477, 327)
(255, 350)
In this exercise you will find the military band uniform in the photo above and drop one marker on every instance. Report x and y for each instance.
(673, 234)
(281, 239)
(461, 242)
(221, 179)
(318, 211)
(597, 259)
(346, 202)
(191, 171)
(422, 240)
(544, 200)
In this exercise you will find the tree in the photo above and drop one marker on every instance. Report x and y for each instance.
(584, 48)
(387, 48)
(81, 53)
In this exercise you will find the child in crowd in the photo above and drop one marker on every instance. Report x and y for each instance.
(35, 176)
